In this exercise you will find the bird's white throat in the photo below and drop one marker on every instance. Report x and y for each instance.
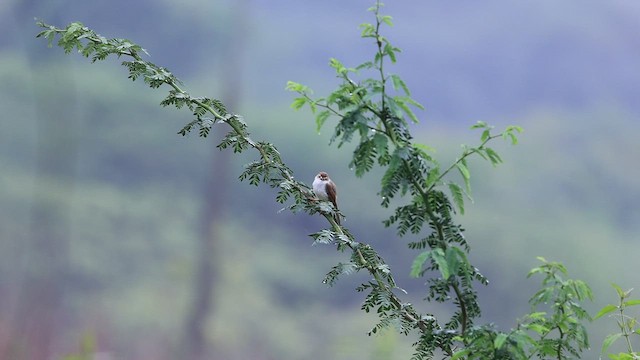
(320, 188)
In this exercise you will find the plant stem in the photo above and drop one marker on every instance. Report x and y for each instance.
(465, 155)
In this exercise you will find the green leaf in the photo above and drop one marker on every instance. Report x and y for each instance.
(386, 19)
(610, 339)
(632, 302)
(391, 52)
(298, 103)
(382, 147)
(464, 171)
(364, 65)
(368, 30)
(337, 65)
(523, 340)
(542, 296)
(485, 135)
(295, 87)
(438, 256)
(510, 132)
(455, 256)
(364, 157)
(414, 103)
(538, 315)
(539, 329)
(534, 271)
(398, 83)
(401, 102)
(418, 262)
(499, 341)
(380, 140)
(493, 156)
(458, 197)
(461, 353)
(631, 323)
(321, 118)
(624, 356)
(618, 290)
(514, 128)
(424, 147)
(480, 125)
(433, 175)
(582, 290)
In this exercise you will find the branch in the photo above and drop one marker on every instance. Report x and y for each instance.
(462, 158)
(88, 43)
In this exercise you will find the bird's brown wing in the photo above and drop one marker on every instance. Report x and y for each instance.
(333, 197)
(331, 194)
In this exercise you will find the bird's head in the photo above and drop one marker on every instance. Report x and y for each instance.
(322, 176)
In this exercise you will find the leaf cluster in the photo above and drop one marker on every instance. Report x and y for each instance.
(559, 330)
(207, 112)
(375, 109)
(627, 324)
(552, 330)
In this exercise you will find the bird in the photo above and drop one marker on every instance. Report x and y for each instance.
(325, 189)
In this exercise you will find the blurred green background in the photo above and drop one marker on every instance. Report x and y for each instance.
(116, 230)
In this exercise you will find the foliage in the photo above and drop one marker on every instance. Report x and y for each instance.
(628, 325)
(560, 333)
(376, 110)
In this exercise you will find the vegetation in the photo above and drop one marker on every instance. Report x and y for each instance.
(627, 324)
(376, 112)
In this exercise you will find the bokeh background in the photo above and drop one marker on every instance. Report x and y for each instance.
(119, 234)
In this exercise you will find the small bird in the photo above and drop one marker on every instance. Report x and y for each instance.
(325, 189)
